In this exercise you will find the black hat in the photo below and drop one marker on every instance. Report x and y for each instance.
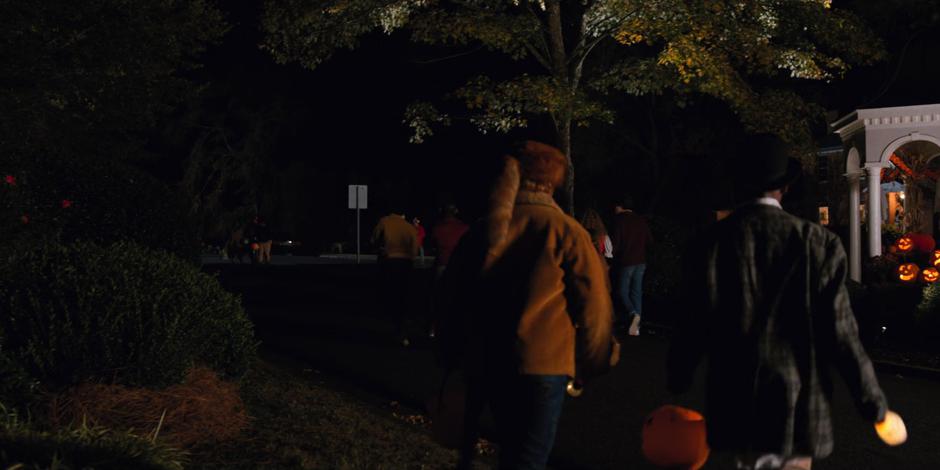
(763, 163)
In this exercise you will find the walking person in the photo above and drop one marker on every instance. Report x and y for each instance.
(592, 222)
(445, 235)
(262, 236)
(526, 288)
(397, 240)
(630, 238)
(769, 310)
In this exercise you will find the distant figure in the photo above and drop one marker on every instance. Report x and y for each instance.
(631, 237)
(421, 234)
(262, 236)
(397, 241)
(769, 309)
(236, 247)
(593, 223)
(445, 235)
(528, 290)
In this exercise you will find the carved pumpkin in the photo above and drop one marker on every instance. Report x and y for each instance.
(930, 275)
(892, 429)
(674, 437)
(904, 244)
(907, 272)
(935, 258)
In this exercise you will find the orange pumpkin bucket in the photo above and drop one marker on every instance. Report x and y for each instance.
(674, 437)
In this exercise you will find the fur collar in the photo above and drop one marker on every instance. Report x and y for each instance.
(536, 198)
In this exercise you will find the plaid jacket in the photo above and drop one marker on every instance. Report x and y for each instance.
(769, 309)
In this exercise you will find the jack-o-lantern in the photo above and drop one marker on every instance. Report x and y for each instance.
(892, 429)
(907, 272)
(674, 437)
(904, 244)
(935, 258)
(930, 275)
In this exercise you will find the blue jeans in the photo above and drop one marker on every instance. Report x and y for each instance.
(630, 288)
(526, 415)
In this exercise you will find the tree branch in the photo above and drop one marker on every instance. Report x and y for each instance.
(449, 57)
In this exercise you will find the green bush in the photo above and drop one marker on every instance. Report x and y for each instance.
(119, 314)
(22, 447)
(75, 198)
(928, 313)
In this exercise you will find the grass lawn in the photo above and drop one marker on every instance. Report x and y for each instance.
(301, 422)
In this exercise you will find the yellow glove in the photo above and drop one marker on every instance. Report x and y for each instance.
(892, 430)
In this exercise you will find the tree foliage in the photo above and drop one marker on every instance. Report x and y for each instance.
(745, 53)
(94, 75)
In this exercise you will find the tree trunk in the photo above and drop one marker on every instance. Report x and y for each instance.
(563, 129)
(562, 119)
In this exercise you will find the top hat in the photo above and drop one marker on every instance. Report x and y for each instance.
(764, 164)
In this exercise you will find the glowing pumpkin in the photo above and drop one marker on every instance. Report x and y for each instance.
(935, 258)
(930, 275)
(674, 437)
(892, 430)
(904, 244)
(907, 272)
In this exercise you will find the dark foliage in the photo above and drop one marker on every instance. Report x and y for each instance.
(23, 447)
(69, 199)
(120, 314)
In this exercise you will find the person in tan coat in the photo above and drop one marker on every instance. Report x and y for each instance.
(529, 307)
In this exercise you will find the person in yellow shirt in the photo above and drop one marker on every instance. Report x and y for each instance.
(397, 241)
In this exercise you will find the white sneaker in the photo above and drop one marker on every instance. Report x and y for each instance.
(634, 326)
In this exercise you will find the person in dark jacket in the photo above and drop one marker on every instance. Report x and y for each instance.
(630, 238)
(769, 309)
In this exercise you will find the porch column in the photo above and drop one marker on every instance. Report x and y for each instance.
(855, 229)
(874, 210)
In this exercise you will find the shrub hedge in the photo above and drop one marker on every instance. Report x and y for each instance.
(928, 314)
(120, 314)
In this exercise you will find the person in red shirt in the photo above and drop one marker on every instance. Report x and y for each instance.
(630, 237)
(445, 235)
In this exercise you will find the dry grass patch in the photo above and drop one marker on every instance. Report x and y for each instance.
(203, 408)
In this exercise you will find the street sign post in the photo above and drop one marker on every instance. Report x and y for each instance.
(358, 199)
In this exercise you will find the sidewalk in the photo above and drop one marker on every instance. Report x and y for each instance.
(330, 320)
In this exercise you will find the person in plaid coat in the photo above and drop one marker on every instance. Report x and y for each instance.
(769, 309)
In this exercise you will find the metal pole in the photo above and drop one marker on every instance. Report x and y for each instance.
(357, 225)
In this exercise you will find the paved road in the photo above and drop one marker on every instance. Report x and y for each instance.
(328, 319)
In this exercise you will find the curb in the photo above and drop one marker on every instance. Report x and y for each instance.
(906, 370)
